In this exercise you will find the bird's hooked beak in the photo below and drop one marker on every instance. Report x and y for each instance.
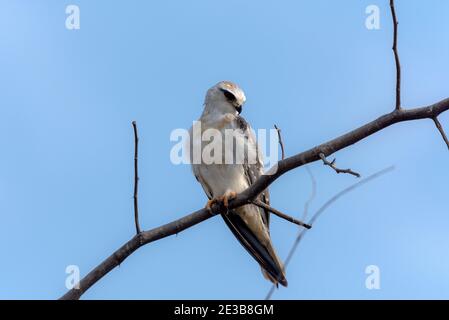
(239, 109)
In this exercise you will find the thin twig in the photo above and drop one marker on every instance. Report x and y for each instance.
(440, 128)
(280, 214)
(396, 55)
(312, 194)
(281, 143)
(317, 214)
(337, 170)
(136, 177)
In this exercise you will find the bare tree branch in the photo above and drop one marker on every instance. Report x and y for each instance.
(281, 143)
(136, 177)
(396, 55)
(337, 170)
(312, 194)
(280, 214)
(440, 128)
(317, 214)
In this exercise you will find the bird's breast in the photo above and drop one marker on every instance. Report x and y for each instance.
(223, 177)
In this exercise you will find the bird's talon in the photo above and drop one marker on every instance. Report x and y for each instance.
(222, 201)
(228, 196)
(212, 202)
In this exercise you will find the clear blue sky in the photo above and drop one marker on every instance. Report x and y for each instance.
(68, 98)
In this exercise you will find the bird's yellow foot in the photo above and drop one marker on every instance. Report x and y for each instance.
(212, 202)
(229, 195)
(222, 201)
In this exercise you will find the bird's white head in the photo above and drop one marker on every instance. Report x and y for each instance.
(225, 97)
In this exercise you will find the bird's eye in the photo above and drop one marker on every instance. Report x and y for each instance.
(229, 96)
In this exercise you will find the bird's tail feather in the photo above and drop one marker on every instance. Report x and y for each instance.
(272, 267)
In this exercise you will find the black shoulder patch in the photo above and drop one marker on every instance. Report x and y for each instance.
(242, 124)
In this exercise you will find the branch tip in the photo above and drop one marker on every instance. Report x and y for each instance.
(333, 166)
(284, 216)
(441, 130)
(136, 178)
(281, 143)
(396, 55)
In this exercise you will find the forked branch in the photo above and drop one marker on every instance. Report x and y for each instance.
(283, 166)
(333, 166)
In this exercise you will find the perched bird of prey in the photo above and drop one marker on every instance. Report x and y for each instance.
(222, 181)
